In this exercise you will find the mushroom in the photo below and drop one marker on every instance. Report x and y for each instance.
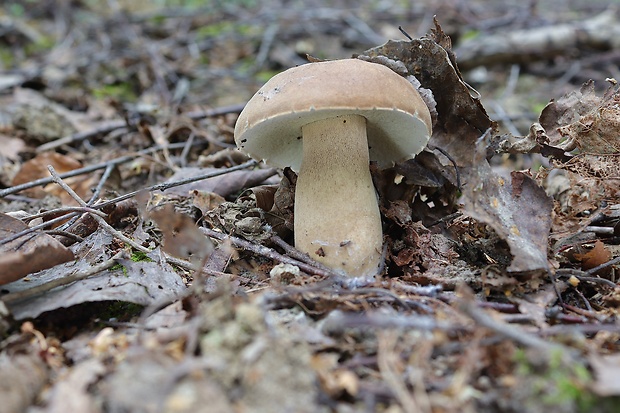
(326, 121)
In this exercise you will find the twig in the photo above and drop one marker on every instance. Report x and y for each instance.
(87, 169)
(567, 272)
(224, 110)
(46, 224)
(265, 45)
(99, 187)
(452, 161)
(63, 211)
(118, 124)
(77, 137)
(512, 332)
(569, 330)
(296, 254)
(107, 227)
(596, 269)
(266, 252)
(167, 185)
(69, 279)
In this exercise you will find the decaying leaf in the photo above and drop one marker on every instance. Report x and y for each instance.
(517, 209)
(28, 254)
(461, 118)
(182, 238)
(139, 282)
(595, 257)
(36, 168)
(606, 369)
(566, 110)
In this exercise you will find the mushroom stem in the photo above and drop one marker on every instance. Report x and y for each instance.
(337, 219)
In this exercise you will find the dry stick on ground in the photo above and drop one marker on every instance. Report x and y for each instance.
(594, 270)
(107, 227)
(46, 224)
(296, 254)
(162, 186)
(584, 275)
(68, 279)
(118, 124)
(87, 169)
(267, 252)
(539, 43)
(93, 198)
(470, 307)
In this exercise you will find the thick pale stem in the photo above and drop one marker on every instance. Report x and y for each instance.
(337, 219)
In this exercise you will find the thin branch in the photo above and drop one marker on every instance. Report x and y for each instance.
(163, 186)
(87, 169)
(78, 137)
(512, 332)
(58, 282)
(266, 252)
(107, 227)
(118, 124)
(46, 224)
(596, 269)
(584, 275)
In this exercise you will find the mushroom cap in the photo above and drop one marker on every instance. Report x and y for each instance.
(398, 122)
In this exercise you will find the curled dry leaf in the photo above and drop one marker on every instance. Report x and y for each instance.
(461, 118)
(28, 254)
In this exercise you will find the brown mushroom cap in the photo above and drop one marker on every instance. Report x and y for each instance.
(398, 120)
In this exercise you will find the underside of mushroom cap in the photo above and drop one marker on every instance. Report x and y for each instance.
(398, 121)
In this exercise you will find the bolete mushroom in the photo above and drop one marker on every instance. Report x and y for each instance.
(327, 120)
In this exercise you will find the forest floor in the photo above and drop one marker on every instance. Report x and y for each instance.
(146, 264)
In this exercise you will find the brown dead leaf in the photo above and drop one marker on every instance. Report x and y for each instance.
(595, 257)
(461, 118)
(264, 195)
(182, 238)
(584, 121)
(566, 110)
(28, 254)
(206, 201)
(142, 282)
(36, 168)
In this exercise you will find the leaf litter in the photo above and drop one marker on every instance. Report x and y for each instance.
(498, 291)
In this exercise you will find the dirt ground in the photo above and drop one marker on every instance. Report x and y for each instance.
(147, 265)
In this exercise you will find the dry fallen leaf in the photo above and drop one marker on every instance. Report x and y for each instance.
(36, 168)
(595, 257)
(182, 238)
(517, 209)
(28, 254)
